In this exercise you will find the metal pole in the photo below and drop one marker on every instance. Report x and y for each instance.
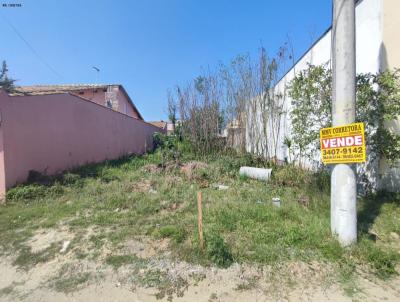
(343, 181)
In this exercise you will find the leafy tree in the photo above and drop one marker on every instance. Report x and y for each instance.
(5, 82)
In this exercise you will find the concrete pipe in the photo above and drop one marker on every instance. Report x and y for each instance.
(256, 173)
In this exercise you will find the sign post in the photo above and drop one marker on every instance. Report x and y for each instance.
(343, 178)
(340, 146)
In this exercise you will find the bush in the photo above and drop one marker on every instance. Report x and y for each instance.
(291, 176)
(218, 251)
(26, 192)
(168, 147)
(159, 140)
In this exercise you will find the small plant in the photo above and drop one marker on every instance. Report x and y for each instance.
(247, 284)
(119, 260)
(70, 178)
(382, 262)
(27, 193)
(27, 259)
(166, 285)
(175, 233)
(218, 251)
(71, 283)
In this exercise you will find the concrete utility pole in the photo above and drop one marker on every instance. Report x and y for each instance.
(343, 181)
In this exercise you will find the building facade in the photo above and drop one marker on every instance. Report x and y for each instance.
(377, 49)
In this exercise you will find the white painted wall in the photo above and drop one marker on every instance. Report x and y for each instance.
(369, 23)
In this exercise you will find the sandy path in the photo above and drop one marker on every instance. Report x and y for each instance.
(217, 285)
(153, 276)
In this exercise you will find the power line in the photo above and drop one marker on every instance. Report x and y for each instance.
(30, 47)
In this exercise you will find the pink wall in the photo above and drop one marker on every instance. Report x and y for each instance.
(52, 133)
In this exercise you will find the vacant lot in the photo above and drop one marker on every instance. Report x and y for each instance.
(126, 230)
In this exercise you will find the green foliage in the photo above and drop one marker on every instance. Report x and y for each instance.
(217, 250)
(28, 192)
(27, 259)
(311, 94)
(160, 140)
(119, 260)
(168, 146)
(68, 284)
(174, 232)
(5, 82)
(322, 180)
(166, 286)
(383, 262)
(291, 175)
(377, 104)
(71, 179)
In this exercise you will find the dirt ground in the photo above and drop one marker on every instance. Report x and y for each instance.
(116, 232)
(153, 275)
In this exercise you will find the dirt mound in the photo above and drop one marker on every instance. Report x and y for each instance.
(167, 167)
(172, 166)
(143, 185)
(152, 168)
(190, 168)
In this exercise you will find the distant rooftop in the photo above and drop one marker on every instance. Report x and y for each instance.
(66, 88)
(159, 124)
(49, 89)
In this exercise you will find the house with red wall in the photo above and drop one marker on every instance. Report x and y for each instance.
(112, 96)
(50, 129)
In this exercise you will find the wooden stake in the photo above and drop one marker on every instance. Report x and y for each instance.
(200, 219)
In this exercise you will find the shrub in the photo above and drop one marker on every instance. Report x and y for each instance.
(291, 176)
(159, 140)
(218, 251)
(26, 192)
(168, 147)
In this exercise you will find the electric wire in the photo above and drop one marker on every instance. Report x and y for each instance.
(31, 48)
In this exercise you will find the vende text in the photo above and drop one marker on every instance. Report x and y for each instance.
(338, 142)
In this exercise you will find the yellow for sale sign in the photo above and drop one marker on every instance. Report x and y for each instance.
(343, 144)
